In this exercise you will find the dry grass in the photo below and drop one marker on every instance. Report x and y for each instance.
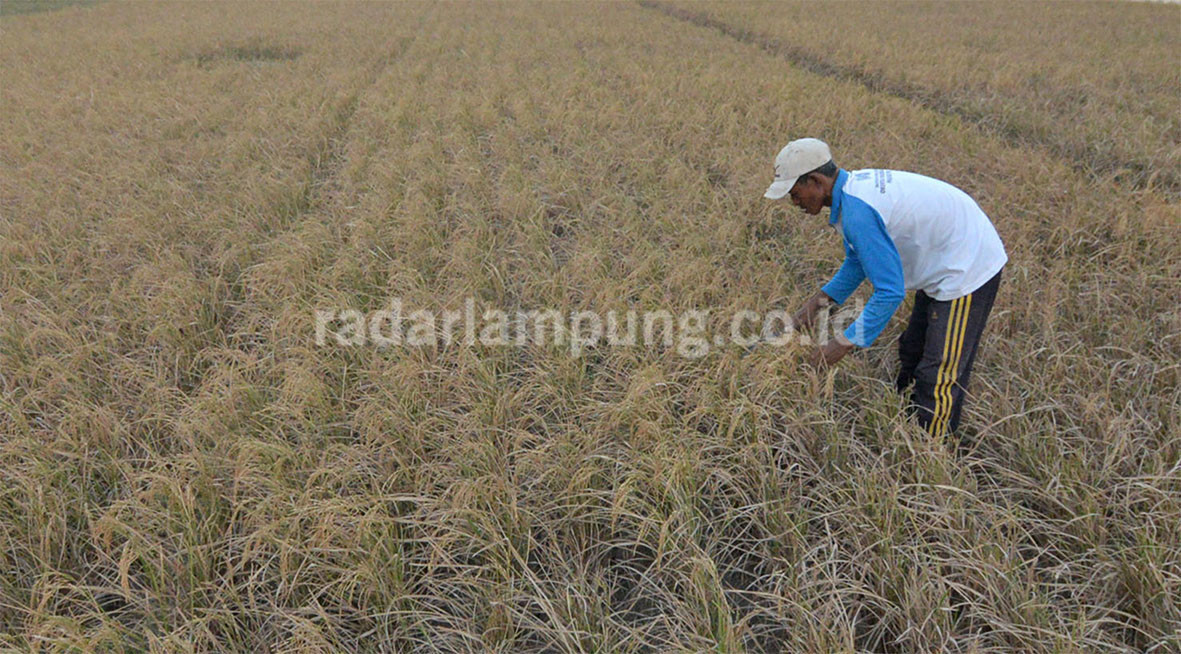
(181, 469)
(1097, 84)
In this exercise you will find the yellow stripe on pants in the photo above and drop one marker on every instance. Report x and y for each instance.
(937, 414)
(952, 354)
(959, 353)
(937, 411)
(957, 348)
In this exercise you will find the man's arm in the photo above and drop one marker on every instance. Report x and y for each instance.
(866, 235)
(866, 232)
(836, 291)
(848, 278)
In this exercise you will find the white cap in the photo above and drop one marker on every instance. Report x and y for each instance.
(796, 158)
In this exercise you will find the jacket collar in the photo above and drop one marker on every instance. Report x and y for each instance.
(838, 196)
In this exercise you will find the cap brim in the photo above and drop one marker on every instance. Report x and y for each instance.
(779, 189)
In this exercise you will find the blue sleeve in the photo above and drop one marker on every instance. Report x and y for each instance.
(847, 279)
(866, 233)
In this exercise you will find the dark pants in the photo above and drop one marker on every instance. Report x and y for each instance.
(937, 350)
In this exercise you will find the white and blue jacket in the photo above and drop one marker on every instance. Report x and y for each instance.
(904, 231)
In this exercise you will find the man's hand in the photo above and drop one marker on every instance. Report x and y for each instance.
(829, 353)
(833, 350)
(804, 318)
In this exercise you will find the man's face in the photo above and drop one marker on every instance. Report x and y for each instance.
(808, 195)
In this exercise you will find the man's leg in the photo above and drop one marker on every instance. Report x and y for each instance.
(983, 298)
(910, 344)
(941, 377)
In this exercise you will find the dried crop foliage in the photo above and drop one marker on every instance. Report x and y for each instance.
(182, 469)
(1095, 83)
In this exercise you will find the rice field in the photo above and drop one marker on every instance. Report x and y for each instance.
(183, 186)
(1096, 83)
